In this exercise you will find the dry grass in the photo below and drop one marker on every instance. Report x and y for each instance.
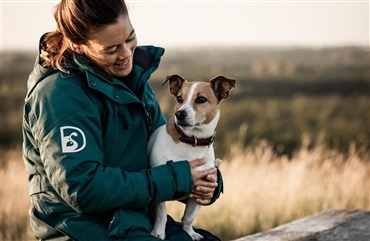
(14, 198)
(262, 190)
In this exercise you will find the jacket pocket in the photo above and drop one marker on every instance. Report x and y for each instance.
(125, 220)
(43, 231)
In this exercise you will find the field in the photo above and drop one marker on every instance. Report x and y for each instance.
(262, 190)
(294, 134)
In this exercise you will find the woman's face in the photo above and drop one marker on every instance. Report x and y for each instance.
(112, 47)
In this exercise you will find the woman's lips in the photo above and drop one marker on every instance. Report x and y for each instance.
(122, 65)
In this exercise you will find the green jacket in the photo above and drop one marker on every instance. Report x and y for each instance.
(85, 151)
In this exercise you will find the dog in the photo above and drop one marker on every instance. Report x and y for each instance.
(188, 135)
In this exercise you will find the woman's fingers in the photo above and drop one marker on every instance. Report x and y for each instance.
(200, 178)
(205, 182)
(197, 162)
(203, 201)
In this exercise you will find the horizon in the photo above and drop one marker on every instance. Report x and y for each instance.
(221, 48)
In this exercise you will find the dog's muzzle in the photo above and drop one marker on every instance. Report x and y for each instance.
(181, 117)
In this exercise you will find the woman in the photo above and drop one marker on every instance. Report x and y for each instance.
(88, 115)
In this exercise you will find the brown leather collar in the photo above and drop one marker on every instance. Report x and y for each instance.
(193, 140)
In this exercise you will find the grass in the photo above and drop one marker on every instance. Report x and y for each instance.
(14, 198)
(262, 189)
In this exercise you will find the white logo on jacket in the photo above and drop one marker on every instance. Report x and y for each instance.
(73, 139)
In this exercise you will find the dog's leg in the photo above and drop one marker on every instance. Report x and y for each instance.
(159, 229)
(191, 211)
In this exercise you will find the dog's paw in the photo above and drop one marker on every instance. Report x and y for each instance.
(158, 234)
(196, 236)
(218, 162)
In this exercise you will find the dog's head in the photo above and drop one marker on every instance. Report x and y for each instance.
(198, 103)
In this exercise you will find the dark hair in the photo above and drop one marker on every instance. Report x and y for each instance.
(76, 20)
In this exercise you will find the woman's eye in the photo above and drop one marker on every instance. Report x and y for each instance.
(112, 50)
(130, 40)
(179, 99)
(200, 100)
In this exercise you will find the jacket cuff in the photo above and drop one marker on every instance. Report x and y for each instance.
(182, 176)
(219, 189)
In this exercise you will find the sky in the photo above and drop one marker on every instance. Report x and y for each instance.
(186, 24)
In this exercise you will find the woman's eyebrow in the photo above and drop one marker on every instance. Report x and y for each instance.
(132, 32)
(106, 48)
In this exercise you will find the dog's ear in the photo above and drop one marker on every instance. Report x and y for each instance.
(222, 86)
(175, 83)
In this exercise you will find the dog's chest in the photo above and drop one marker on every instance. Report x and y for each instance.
(162, 148)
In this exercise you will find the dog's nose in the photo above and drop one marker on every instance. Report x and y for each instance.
(181, 114)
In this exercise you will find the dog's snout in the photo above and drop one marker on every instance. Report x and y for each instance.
(181, 114)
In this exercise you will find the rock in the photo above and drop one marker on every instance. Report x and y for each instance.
(331, 225)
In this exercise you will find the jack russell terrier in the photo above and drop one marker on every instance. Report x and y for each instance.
(188, 135)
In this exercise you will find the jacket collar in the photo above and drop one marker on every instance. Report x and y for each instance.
(146, 61)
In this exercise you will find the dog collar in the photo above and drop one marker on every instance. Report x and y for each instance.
(193, 140)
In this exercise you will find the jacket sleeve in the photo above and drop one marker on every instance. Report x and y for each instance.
(78, 175)
(219, 188)
(87, 186)
(158, 118)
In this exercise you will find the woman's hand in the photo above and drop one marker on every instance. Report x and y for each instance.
(205, 182)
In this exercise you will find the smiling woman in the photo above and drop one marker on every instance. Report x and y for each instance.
(92, 34)
(88, 115)
(112, 48)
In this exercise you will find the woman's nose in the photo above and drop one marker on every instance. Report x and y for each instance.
(125, 52)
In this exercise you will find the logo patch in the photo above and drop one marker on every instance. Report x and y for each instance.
(73, 139)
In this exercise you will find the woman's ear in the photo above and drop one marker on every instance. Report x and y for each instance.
(76, 48)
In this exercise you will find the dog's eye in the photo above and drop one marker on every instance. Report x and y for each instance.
(179, 99)
(200, 100)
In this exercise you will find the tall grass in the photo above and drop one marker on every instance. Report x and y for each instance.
(262, 189)
(14, 198)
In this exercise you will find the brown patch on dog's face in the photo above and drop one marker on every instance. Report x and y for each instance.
(205, 103)
(182, 95)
